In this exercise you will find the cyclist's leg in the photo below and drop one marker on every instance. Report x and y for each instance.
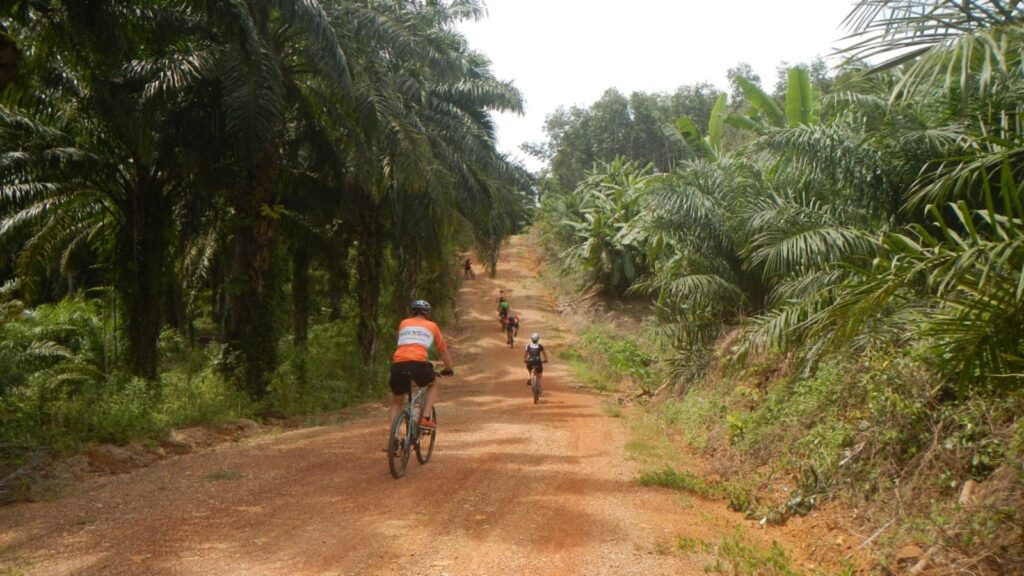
(397, 403)
(425, 377)
(399, 382)
(429, 398)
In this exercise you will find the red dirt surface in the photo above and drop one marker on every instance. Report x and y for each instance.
(513, 487)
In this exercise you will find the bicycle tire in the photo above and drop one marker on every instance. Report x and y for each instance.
(423, 452)
(511, 339)
(398, 445)
(535, 387)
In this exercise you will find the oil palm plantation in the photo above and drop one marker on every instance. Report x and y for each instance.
(171, 141)
(92, 149)
(423, 158)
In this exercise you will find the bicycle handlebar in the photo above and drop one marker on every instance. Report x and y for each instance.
(443, 372)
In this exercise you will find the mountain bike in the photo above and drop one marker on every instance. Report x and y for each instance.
(535, 384)
(407, 435)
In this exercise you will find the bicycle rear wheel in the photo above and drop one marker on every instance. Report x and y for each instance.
(398, 445)
(425, 445)
(511, 338)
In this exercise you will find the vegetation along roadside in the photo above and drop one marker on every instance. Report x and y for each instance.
(835, 272)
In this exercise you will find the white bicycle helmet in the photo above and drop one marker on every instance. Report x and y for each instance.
(421, 306)
(535, 337)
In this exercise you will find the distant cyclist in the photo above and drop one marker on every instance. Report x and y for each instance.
(535, 356)
(468, 270)
(503, 307)
(416, 336)
(513, 323)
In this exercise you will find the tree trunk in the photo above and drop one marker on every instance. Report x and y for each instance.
(10, 59)
(337, 276)
(218, 300)
(300, 296)
(251, 330)
(142, 248)
(368, 267)
(337, 280)
(407, 281)
(175, 308)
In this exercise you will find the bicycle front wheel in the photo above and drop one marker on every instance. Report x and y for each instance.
(425, 445)
(398, 445)
(535, 386)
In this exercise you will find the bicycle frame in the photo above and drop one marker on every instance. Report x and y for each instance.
(410, 409)
(400, 443)
(534, 384)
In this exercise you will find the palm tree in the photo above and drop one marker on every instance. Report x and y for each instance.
(92, 159)
(425, 149)
(698, 274)
(271, 53)
(953, 276)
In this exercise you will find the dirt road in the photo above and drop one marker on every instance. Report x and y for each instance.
(513, 487)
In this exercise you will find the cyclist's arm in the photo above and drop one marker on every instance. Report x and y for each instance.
(446, 357)
(545, 354)
(442, 348)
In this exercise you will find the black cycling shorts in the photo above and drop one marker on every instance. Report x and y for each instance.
(537, 365)
(404, 373)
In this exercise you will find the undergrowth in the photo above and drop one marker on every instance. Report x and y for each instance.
(605, 359)
(736, 556)
(60, 388)
(877, 431)
(739, 555)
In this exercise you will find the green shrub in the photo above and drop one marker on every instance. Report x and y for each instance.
(203, 397)
(693, 417)
(668, 477)
(603, 363)
(623, 356)
(327, 375)
(738, 557)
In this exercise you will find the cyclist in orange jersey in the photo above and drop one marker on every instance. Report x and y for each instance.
(416, 336)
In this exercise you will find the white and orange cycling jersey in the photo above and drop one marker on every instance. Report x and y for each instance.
(416, 336)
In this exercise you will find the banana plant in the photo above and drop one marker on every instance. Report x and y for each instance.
(711, 144)
(611, 199)
(803, 105)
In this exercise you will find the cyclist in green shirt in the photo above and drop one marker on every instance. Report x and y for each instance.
(503, 308)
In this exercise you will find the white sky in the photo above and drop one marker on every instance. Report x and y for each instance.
(566, 52)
